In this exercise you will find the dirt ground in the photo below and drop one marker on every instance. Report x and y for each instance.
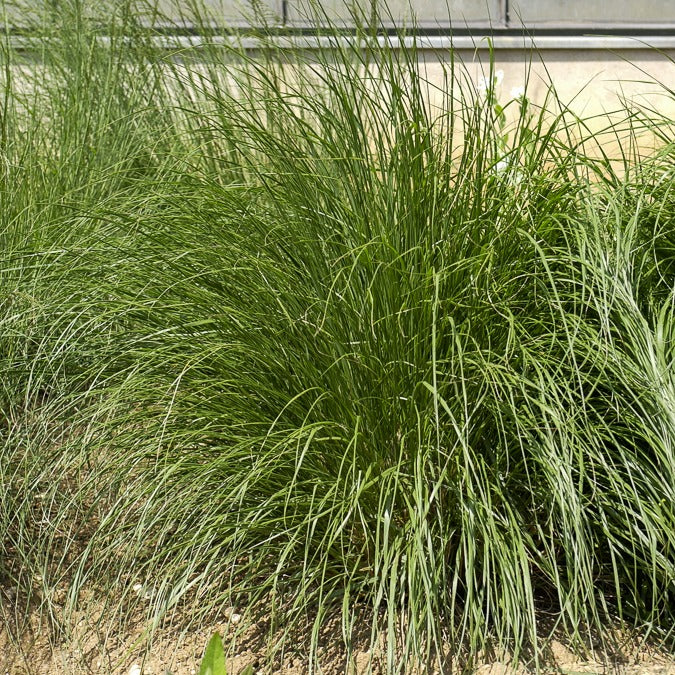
(173, 653)
(178, 652)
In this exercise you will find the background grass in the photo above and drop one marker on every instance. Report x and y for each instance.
(306, 334)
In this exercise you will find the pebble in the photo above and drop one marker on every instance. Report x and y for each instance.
(135, 670)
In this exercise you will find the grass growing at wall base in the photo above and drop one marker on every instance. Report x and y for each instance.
(288, 332)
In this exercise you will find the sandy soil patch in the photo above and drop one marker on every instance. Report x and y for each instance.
(176, 651)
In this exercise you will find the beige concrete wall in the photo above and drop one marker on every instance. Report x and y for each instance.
(590, 81)
(594, 83)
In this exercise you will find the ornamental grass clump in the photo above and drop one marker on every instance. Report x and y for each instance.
(341, 342)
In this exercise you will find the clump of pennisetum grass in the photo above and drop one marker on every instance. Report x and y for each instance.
(302, 332)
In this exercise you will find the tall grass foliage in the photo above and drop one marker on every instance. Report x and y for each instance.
(308, 334)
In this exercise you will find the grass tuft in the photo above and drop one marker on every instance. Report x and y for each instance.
(308, 333)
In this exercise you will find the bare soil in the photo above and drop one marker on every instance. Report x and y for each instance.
(178, 651)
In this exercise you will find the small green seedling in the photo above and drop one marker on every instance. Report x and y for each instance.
(213, 662)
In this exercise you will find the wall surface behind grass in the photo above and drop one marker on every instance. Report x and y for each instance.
(593, 77)
(592, 51)
(591, 81)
